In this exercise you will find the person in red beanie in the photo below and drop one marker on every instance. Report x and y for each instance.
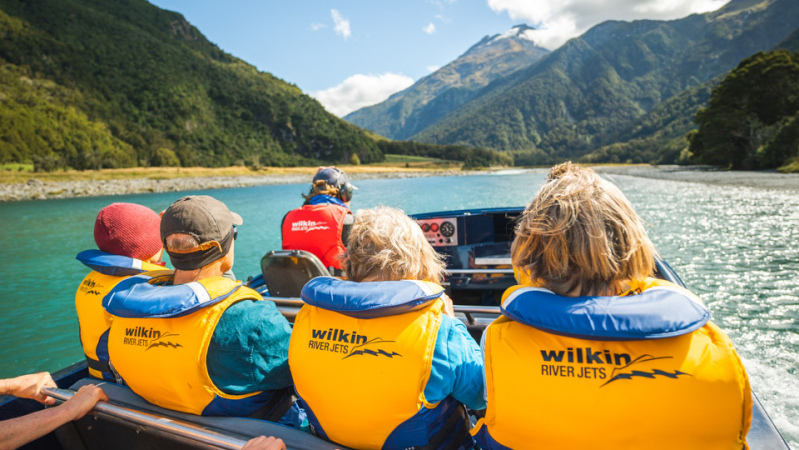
(129, 241)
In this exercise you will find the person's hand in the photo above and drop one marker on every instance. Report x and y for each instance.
(264, 443)
(448, 308)
(30, 386)
(84, 400)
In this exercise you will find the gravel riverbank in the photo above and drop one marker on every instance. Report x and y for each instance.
(39, 190)
(709, 175)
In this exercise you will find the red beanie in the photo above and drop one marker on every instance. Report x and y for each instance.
(128, 229)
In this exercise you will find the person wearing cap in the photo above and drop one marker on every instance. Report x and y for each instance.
(129, 242)
(192, 340)
(321, 226)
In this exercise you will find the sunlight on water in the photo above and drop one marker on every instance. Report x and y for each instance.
(737, 248)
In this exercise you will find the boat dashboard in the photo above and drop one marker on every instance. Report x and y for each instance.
(476, 248)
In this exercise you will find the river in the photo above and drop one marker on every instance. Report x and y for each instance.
(736, 247)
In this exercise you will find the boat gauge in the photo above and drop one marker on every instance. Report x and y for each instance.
(439, 232)
(447, 229)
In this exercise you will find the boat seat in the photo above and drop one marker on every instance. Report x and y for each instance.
(99, 431)
(285, 272)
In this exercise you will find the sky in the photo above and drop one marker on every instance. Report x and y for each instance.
(354, 53)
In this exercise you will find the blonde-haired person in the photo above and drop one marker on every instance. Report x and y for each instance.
(379, 361)
(591, 351)
(321, 225)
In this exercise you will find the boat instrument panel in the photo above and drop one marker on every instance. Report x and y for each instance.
(476, 247)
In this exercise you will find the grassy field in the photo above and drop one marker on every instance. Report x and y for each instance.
(20, 173)
(418, 163)
(792, 166)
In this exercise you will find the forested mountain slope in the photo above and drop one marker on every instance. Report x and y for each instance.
(113, 83)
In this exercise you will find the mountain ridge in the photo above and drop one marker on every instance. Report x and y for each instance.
(436, 94)
(577, 98)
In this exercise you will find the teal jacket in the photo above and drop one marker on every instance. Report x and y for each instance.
(249, 349)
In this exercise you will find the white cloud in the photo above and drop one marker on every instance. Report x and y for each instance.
(342, 25)
(360, 90)
(432, 69)
(443, 18)
(317, 26)
(430, 28)
(558, 21)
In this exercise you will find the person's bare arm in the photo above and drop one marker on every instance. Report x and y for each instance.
(448, 308)
(18, 432)
(28, 386)
(264, 443)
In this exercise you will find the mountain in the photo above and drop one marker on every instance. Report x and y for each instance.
(88, 84)
(410, 111)
(659, 136)
(589, 92)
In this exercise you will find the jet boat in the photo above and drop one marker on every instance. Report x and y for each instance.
(477, 246)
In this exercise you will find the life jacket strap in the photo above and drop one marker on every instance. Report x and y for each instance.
(454, 434)
(100, 366)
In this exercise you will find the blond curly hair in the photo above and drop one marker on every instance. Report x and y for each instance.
(581, 236)
(387, 245)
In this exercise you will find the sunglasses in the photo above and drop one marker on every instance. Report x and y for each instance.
(235, 233)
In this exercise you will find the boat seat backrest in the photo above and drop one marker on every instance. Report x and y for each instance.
(286, 271)
(99, 432)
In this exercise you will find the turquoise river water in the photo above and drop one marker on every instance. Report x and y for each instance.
(737, 248)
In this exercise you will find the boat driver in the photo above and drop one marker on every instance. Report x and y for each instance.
(591, 351)
(398, 366)
(193, 340)
(321, 226)
(127, 236)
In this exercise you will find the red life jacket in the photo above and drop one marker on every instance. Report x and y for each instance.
(316, 229)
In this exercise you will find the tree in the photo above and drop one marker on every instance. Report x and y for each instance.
(746, 111)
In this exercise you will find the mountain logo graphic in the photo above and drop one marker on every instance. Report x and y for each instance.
(369, 349)
(159, 342)
(618, 373)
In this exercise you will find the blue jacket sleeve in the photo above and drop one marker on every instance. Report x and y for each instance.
(249, 349)
(457, 367)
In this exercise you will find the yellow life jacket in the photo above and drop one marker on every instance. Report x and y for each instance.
(159, 341)
(642, 370)
(94, 322)
(360, 355)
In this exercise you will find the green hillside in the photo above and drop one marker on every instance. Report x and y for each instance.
(659, 136)
(118, 83)
(596, 90)
(752, 119)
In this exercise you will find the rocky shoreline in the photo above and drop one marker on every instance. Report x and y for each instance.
(39, 190)
(708, 175)
(35, 189)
